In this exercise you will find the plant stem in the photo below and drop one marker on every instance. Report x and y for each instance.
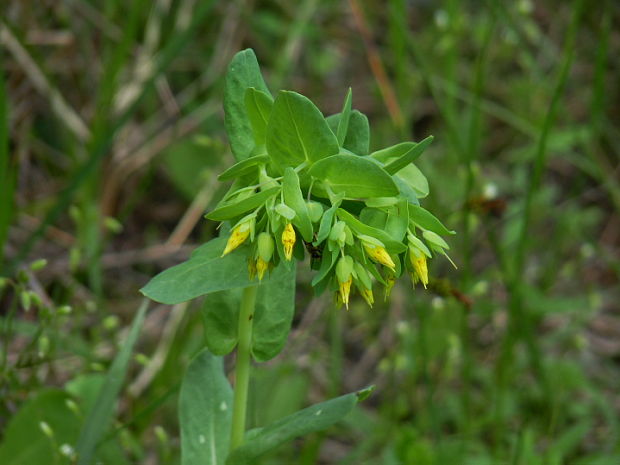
(242, 368)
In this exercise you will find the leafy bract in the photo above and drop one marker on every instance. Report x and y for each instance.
(314, 418)
(405, 190)
(235, 208)
(345, 116)
(427, 220)
(326, 223)
(400, 155)
(360, 228)
(297, 131)
(205, 272)
(258, 105)
(357, 139)
(243, 167)
(415, 179)
(205, 411)
(354, 176)
(294, 198)
(243, 73)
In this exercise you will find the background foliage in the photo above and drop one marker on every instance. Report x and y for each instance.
(111, 138)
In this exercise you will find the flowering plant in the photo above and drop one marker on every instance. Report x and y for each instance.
(302, 184)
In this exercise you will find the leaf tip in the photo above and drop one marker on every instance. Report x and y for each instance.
(363, 394)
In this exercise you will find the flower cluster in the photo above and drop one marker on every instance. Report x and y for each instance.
(343, 249)
(304, 183)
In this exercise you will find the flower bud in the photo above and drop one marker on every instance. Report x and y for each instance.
(344, 270)
(264, 254)
(288, 240)
(265, 246)
(338, 233)
(239, 234)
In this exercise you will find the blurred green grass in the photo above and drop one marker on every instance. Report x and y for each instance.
(115, 133)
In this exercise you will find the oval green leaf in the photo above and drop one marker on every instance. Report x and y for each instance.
(353, 176)
(297, 131)
(243, 72)
(205, 411)
(415, 179)
(205, 272)
(258, 105)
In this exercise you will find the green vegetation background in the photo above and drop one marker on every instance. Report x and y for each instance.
(111, 135)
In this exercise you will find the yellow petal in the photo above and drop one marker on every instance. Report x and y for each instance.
(345, 290)
(421, 270)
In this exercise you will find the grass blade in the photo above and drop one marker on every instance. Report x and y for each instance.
(101, 414)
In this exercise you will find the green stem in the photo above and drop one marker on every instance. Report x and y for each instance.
(242, 368)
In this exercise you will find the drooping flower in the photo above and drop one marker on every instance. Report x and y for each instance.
(368, 296)
(288, 240)
(238, 235)
(418, 261)
(376, 251)
(344, 275)
(364, 283)
(264, 252)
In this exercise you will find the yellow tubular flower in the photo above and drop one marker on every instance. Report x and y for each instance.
(237, 237)
(379, 255)
(288, 240)
(418, 261)
(345, 290)
(261, 267)
(368, 297)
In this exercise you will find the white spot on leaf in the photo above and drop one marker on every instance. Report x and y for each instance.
(223, 406)
(202, 439)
